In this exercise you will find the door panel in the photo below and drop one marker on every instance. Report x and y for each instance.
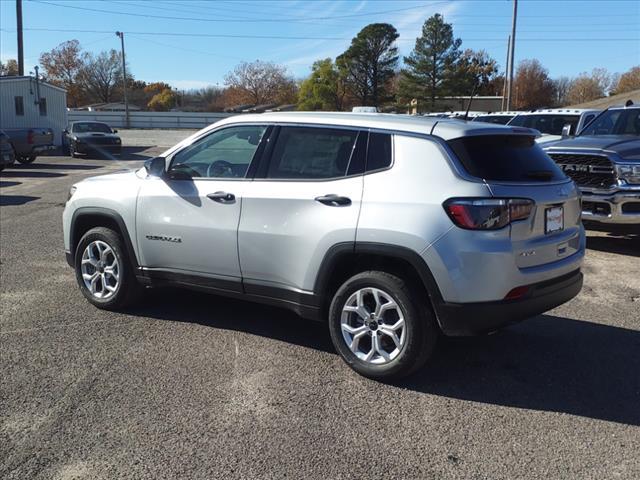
(179, 227)
(284, 232)
(188, 220)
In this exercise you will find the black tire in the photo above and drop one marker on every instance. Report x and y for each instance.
(127, 289)
(27, 160)
(421, 329)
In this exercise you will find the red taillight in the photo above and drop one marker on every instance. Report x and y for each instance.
(516, 293)
(30, 137)
(487, 213)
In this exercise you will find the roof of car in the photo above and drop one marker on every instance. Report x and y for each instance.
(441, 127)
(559, 111)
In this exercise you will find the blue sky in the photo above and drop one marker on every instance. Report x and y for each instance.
(568, 37)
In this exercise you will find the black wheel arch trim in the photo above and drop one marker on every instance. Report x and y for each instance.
(336, 253)
(84, 212)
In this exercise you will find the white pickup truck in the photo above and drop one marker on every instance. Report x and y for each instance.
(555, 123)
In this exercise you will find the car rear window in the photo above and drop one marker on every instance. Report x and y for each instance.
(513, 158)
(549, 124)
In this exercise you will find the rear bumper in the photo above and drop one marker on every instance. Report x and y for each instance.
(42, 148)
(463, 319)
(622, 207)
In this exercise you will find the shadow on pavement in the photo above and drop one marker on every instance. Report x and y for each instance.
(6, 200)
(9, 184)
(547, 363)
(219, 312)
(136, 153)
(624, 241)
(31, 174)
(56, 166)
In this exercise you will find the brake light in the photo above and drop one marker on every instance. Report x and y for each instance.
(487, 213)
(30, 137)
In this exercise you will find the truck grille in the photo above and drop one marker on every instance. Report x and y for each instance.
(593, 171)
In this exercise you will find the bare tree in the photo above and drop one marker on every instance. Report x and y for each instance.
(101, 75)
(589, 87)
(562, 87)
(259, 82)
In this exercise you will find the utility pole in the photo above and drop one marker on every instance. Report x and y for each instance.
(124, 80)
(19, 30)
(506, 75)
(511, 52)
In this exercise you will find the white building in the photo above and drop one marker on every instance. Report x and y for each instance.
(27, 103)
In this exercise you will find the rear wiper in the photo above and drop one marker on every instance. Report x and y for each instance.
(539, 174)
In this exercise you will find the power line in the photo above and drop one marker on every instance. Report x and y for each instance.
(264, 20)
(283, 37)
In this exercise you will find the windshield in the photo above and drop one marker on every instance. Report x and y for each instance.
(91, 127)
(549, 124)
(615, 122)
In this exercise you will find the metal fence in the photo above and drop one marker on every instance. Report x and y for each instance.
(168, 120)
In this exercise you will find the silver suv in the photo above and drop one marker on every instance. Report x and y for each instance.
(393, 229)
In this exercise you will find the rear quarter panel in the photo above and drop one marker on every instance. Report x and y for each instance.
(403, 205)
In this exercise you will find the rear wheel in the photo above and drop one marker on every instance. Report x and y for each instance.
(103, 271)
(27, 160)
(380, 327)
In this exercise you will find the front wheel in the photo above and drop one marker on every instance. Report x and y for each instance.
(380, 327)
(104, 274)
(27, 160)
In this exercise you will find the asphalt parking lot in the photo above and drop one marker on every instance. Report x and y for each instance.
(194, 386)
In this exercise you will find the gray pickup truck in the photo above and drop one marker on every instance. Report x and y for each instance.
(28, 143)
(604, 161)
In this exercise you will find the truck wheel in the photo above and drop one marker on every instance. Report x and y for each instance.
(103, 270)
(380, 327)
(27, 160)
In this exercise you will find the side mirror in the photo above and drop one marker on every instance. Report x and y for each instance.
(566, 131)
(155, 166)
(115, 131)
(65, 131)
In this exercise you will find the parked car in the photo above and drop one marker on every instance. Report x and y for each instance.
(555, 124)
(91, 138)
(499, 118)
(391, 228)
(604, 160)
(28, 143)
(7, 155)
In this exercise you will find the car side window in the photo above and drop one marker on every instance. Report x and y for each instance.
(310, 153)
(225, 153)
(379, 151)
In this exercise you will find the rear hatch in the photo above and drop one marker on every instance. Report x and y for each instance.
(515, 167)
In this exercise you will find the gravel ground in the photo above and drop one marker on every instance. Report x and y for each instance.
(195, 386)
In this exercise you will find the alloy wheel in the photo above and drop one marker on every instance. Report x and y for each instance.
(373, 326)
(100, 269)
